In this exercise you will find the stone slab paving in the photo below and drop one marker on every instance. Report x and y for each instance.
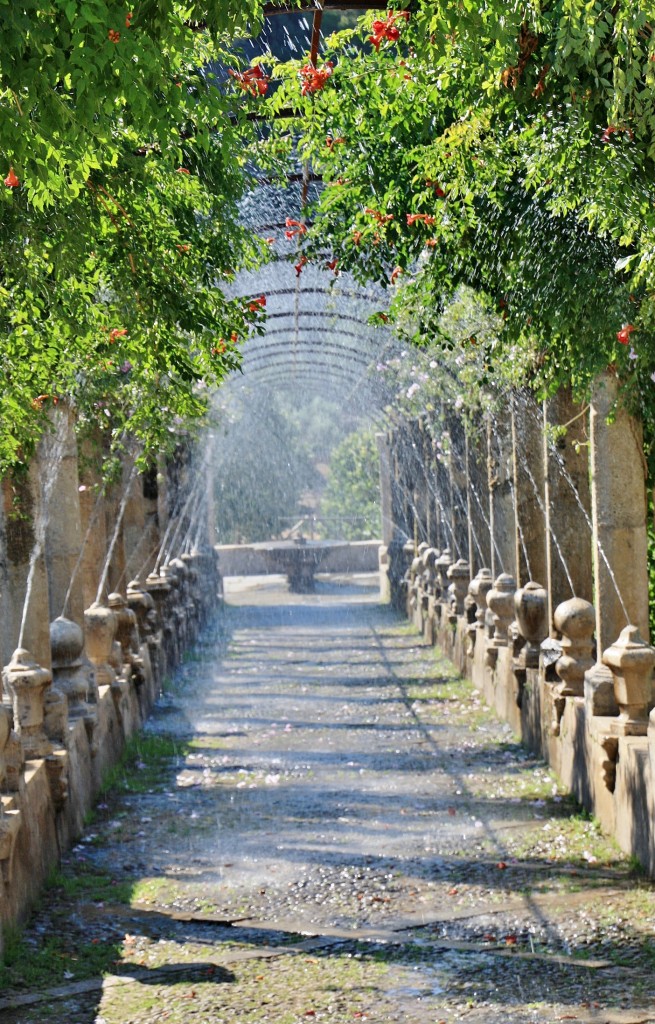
(334, 828)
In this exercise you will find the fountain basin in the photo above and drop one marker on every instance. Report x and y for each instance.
(299, 560)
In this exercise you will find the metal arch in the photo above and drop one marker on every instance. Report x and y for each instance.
(326, 365)
(306, 377)
(307, 341)
(349, 294)
(320, 314)
(280, 358)
(310, 384)
(303, 372)
(347, 374)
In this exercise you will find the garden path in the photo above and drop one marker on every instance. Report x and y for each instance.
(322, 823)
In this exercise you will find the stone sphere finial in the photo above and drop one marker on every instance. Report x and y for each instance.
(66, 642)
(575, 619)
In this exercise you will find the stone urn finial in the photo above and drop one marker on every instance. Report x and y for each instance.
(459, 573)
(72, 675)
(575, 619)
(500, 601)
(631, 661)
(443, 563)
(430, 574)
(100, 623)
(26, 683)
(479, 587)
(531, 608)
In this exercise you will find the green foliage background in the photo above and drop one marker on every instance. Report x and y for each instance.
(352, 494)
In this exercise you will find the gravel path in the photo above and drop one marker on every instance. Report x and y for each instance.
(323, 823)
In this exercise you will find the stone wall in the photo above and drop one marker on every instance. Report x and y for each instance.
(101, 590)
(573, 679)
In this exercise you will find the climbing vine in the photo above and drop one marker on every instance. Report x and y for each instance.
(505, 148)
(122, 162)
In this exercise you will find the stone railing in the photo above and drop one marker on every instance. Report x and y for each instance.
(85, 651)
(573, 679)
(62, 728)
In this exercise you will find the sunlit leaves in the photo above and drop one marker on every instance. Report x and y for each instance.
(523, 136)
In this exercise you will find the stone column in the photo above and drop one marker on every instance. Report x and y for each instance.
(93, 522)
(163, 495)
(618, 501)
(501, 503)
(22, 542)
(116, 576)
(135, 533)
(528, 479)
(458, 480)
(568, 504)
(479, 498)
(64, 527)
(385, 488)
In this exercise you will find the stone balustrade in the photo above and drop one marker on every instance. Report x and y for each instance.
(573, 679)
(60, 729)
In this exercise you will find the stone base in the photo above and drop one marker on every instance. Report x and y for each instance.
(600, 758)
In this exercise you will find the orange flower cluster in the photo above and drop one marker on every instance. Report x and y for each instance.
(253, 80)
(117, 332)
(128, 18)
(113, 35)
(396, 274)
(257, 304)
(11, 181)
(299, 265)
(623, 336)
(381, 218)
(334, 142)
(295, 228)
(313, 79)
(387, 29)
(426, 218)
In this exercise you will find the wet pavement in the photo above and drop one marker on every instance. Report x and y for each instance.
(323, 823)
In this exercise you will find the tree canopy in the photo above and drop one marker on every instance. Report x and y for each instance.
(508, 148)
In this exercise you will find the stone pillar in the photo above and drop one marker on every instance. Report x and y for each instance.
(529, 491)
(479, 497)
(117, 573)
(385, 488)
(64, 528)
(568, 504)
(501, 503)
(458, 481)
(618, 501)
(136, 533)
(163, 495)
(93, 520)
(23, 542)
